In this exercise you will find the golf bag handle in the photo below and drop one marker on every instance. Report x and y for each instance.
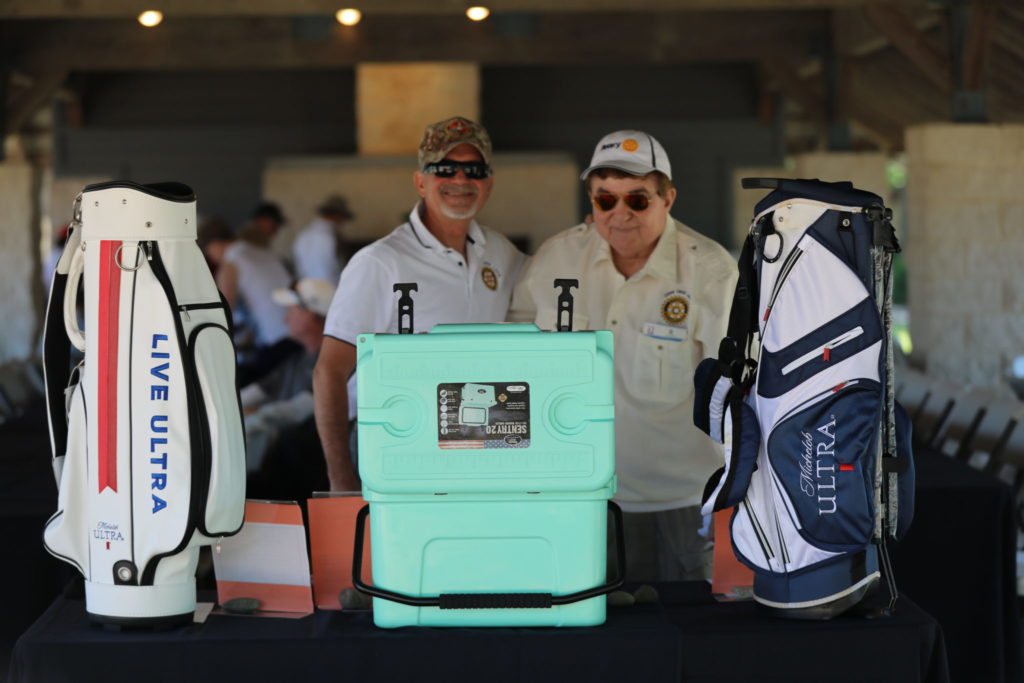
(489, 600)
(75, 268)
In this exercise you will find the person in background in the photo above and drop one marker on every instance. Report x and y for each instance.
(465, 274)
(664, 290)
(320, 250)
(249, 272)
(284, 397)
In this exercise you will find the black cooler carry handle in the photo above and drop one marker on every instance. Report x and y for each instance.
(489, 600)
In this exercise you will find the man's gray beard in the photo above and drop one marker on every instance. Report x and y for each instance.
(471, 212)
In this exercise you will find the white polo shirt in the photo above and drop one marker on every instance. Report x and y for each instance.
(315, 252)
(451, 288)
(666, 318)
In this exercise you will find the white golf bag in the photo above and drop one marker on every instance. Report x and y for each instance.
(146, 432)
(817, 454)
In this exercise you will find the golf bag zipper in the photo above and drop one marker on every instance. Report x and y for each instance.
(824, 350)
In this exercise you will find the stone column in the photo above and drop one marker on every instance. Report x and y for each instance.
(965, 204)
(19, 260)
(395, 101)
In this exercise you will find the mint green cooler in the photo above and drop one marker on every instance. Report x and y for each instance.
(487, 457)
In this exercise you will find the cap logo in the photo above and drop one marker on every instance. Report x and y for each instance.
(630, 145)
(458, 129)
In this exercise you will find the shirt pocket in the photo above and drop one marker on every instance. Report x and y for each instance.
(547, 319)
(663, 370)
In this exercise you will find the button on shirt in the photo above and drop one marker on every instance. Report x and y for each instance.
(452, 288)
(666, 318)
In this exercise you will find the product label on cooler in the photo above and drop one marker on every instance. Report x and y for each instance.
(483, 415)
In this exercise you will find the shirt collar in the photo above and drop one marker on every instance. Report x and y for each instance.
(475, 238)
(662, 261)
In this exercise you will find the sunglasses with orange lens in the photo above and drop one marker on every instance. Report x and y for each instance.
(606, 201)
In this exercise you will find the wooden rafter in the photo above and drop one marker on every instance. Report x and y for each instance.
(63, 9)
(46, 81)
(897, 26)
(232, 43)
(978, 43)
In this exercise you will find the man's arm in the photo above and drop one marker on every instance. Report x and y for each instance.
(227, 282)
(523, 308)
(330, 392)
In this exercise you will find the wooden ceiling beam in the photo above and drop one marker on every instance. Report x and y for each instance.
(978, 43)
(268, 43)
(63, 9)
(46, 82)
(897, 26)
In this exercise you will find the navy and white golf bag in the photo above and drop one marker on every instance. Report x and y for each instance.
(817, 454)
(146, 431)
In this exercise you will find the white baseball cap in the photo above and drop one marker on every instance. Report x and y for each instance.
(631, 151)
(309, 293)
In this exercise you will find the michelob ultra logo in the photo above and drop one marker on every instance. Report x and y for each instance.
(818, 466)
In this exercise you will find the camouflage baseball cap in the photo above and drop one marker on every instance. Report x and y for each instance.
(441, 137)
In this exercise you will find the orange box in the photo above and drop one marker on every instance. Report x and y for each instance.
(332, 527)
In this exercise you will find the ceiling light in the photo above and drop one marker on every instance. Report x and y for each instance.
(348, 17)
(151, 18)
(478, 13)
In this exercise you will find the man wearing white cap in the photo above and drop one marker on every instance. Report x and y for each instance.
(464, 273)
(664, 290)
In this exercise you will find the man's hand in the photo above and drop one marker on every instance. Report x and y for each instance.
(336, 364)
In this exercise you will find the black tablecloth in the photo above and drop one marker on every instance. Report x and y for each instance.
(958, 561)
(687, 637)
(30, 576)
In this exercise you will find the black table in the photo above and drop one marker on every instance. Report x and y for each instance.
(687, 637)
(31, 577)
(958, 561)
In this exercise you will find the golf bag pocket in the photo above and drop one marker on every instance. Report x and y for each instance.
(742, 438)
(821, 350)
(711, 388)
(210, 348)
(823, 455)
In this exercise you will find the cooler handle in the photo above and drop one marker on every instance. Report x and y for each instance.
(489, 600)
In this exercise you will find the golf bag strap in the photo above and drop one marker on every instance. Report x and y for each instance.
(734, 351)
(57, 345)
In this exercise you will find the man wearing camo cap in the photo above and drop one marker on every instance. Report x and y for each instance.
(464, 273)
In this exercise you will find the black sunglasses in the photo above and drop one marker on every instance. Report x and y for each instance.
(606, 201)
(474, 170)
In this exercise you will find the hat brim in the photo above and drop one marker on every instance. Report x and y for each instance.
(625, 167)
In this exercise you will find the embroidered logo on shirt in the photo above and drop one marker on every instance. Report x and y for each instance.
(489, 277)
(674, 309)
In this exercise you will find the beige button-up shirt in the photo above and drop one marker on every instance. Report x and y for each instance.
(666, 318)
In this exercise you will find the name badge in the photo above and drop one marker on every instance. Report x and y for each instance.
(666, 332)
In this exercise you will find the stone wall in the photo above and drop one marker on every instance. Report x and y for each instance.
(395, 101)
(965, 204)
(380, 192)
